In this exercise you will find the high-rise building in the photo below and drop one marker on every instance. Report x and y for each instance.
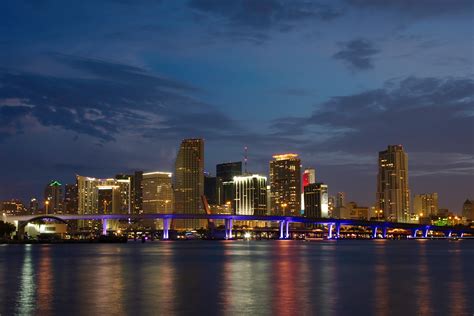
(225, 173)
(70, 199)
(157, 192)
(34, 206)
(135, 190)
(426, 204)
(189, 182)
(316, 200)
(468, 210)
(393, 195)
(53, 198)
(103, 196)
(210, 189)
(309, 176)
(12, 207)
(285, 182)
(340, 199)
(357, 212)
(250, 195)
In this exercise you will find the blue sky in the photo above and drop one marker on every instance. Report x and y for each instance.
(103, 87)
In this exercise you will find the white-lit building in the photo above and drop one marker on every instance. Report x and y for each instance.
(250, 195)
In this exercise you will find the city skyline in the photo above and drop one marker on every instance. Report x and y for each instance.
(82, 93)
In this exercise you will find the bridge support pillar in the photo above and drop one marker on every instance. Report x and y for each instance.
(104, 226)
(448, 234)
(287, 229)
(414, 232)
(374, 231)
(338, 230)
(330, 234)
(384, 232)
(284, 229)
(426, 229)
(228, 228)
(462, 235)
(166, 228)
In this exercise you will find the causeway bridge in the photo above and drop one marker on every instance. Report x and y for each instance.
(333, 225)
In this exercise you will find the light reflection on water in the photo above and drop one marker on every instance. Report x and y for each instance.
(236, 277)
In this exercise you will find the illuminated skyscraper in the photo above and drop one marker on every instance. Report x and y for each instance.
(53, 198)
(309, 176)
(393, 195)
(157, 192)
(285, 182)
(250, 195)
(225, 173)
(468, 209)
(34, 206)
(189, 182)
(426, 204)
(316, 200)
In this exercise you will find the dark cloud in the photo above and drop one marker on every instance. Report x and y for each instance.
(103, 99)
(358, 54)
(425, 114)
(248, 18)
(418, 8)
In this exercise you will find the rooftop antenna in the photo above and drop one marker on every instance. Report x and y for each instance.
(245, 158)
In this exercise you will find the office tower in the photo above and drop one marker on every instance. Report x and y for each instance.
(12, 207)
(157, 191)
(189, 182)
(426, 205)
(135, 198)
(53, 198)
(285, 182)
(70, 199)
(309, 176)
(225, 173)
(468, 210)
(331, 206)
(393, 195)
(250, 195)
(340, 199)
(103, 196)
(357, 212)
(316, 200)
(34, 206)
(210, 189)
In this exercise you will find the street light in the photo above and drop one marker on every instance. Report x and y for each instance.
(284, 205)
(46, 204)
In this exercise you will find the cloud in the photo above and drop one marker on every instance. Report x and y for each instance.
(358, 54)
(419, 8)
(103, 99)
(248, 19)
(421, 113)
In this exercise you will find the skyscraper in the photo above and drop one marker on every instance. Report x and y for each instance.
(225, 173)
(210, 189)
(285, 182)
(309, 176)
(250, 195)
(34, 206)
(189, 182)
(426, 204)
(157, 192)
(316, 200)
(70, 199)
(393, 195)
(53, 198)
(468, 210)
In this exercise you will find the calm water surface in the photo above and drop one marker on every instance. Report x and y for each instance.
(236, 277)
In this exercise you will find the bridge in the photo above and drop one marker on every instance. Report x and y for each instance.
(333, 225)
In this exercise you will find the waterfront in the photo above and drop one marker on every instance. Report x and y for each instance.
(380, 277)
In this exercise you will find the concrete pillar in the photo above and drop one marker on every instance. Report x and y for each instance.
(374, 231)
(282, 229)
(462, 235)
(228, 228)
(166, 228)
(338, 230)
(426, 229)
(287, 229)
(104, 226)
(413, 232)
(330, 231)
(384, 232)
(448, 234)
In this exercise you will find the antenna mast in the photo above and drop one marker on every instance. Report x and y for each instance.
(245, 158)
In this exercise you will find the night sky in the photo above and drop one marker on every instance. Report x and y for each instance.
(103, 87)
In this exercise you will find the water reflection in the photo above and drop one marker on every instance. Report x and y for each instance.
(457, 290)
(382, 286)
(26, 294)
(328, 279)
(45, 277)
(423, 285)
